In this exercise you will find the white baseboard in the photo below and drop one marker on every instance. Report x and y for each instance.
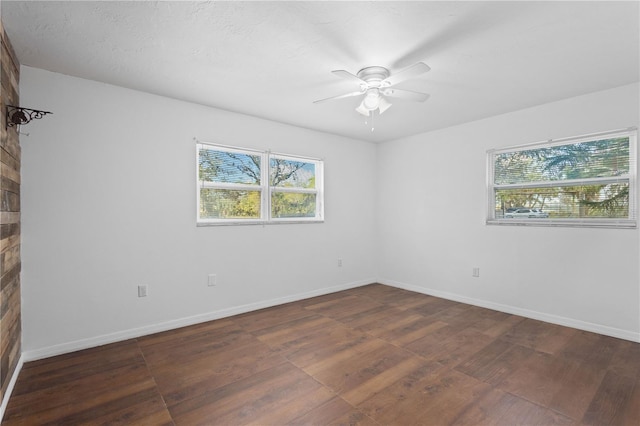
(12, 383)
(553, 319)
(32, 355)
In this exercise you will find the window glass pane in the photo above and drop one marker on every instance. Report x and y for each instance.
(292, 174)
(229, 204)
(228, 167)
(600, 158)
(588, 201)
(291, 204)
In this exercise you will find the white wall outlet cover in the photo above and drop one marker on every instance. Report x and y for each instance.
(212, 281)
(142, 291)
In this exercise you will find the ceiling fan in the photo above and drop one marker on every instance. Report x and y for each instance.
(377, 83)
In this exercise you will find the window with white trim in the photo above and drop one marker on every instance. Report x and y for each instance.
(243, 186)
(584, 181)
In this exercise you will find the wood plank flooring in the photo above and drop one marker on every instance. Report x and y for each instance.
(373, 355)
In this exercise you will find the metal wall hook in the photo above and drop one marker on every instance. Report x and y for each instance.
(17, 116)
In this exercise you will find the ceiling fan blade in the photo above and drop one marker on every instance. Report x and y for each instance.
(346, 95)
(405, 74)
(348, 76)
(405, 94)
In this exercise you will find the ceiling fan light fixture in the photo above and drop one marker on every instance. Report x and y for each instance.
(371, 100)
(362, 110)
(383, 105)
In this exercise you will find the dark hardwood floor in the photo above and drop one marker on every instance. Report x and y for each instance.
(374, 355)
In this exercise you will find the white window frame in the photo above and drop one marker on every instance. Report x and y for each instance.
(264, 187)
(631, 178)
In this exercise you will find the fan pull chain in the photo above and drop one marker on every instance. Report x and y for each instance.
(367, 121)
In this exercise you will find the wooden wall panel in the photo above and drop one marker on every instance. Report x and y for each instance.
(10, 264)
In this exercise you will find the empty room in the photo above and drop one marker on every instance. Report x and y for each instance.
(315, 213)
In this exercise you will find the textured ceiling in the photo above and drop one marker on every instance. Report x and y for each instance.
(272, 59)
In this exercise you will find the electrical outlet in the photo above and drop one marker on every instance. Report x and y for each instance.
(213, 280)
(340, 263)
(476, 272)
(142, 290)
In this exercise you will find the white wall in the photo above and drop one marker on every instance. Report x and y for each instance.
(108, 197)
(432, 206)
(108, 202)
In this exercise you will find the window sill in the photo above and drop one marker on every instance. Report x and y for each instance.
(258, 222)
(566, 223)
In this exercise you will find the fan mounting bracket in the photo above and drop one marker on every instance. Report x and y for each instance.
(373, 76)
